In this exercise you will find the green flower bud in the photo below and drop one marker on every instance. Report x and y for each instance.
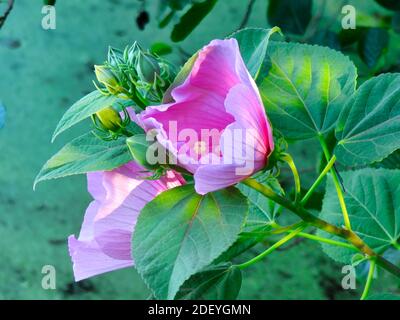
(138, 146)
(115, 57)
(105, 76)
(110, 119)
(130, 54)
(147, 67)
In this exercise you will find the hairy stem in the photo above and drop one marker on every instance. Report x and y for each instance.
(337, 184)
(306, 216)
(318, 181)
(370, 277)
(272, 248)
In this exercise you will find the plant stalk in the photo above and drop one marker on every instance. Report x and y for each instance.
(337, 184)
(289, 160)
(306, 216)
(318, 181)
(370, 277)
(272, 248)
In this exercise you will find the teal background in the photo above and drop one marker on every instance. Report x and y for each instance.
(42, 72)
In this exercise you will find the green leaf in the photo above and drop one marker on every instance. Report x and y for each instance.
(189, 21)
(221, 282)
(291, 15)
(181, 232)
(2, 115)
(86, 153)
(253, 43)
(374, 210)
(368, 129)
(84, 108)
(306, 88)
(383, 296)
(372, 44)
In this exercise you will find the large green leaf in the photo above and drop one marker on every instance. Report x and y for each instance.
(189, 21)
(291, 15)
(374, 209)
(181, 232)
(84, 108)
(253, 44)
(369, 126)
(221, 282)
(86, 153)
(306, 88)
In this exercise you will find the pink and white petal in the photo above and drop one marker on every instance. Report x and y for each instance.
(104, 243)
(250, 118)
(89, 260)
(245, 144)
(214, 71)
(95, 185)
(209, 178)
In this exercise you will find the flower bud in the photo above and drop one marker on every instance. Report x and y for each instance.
(105, 76)
(110, 119)
(115, 57)
(147, 67)
(138, 146)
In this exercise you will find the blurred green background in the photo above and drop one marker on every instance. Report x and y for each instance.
(42, 72)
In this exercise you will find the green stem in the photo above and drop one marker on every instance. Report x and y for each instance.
(289, 160)
(370, 277)
(134, 97)
(306, 216)
(275, 246)
(279, 229)
(328, 241)
(318, 181)
(337, 184)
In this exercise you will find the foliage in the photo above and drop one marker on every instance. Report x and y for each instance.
(189, 246)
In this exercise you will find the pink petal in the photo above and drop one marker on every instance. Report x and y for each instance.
(104, 243)
(256, 142)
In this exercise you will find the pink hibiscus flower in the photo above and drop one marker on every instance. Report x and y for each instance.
(216, 128)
